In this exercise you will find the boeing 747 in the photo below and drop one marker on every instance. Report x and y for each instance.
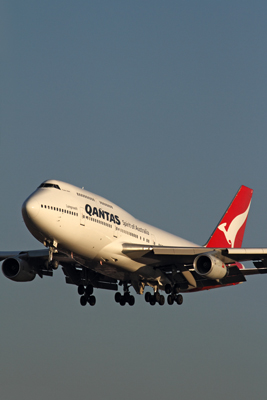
(101, 246)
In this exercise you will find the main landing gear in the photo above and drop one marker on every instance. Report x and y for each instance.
(173, 296)
(122, 299)
(125, 298)
(86, 295)
(160, 299)
(154, 298)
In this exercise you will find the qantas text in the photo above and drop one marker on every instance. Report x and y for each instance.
(98, 212)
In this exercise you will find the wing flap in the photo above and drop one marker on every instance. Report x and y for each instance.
(183, 251)
(246, 254)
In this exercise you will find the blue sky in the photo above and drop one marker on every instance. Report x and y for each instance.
(159, 106)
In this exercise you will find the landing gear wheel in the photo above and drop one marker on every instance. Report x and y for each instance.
(170, 299)
(118, 297)
(83, 300)
(176, 288)
(179, 299)
(122, 301)
(161, 300)
(127, 297)
(54, 264)
(152, 301)
(92, 300)
(168, 288)
(131, 300)
(81, 289)
(148, 297)
(89, 290)
(157, 297)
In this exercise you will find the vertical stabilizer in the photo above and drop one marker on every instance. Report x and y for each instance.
(231, 228)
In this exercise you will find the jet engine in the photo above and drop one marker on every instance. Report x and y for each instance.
(17, 270)
(210, 267)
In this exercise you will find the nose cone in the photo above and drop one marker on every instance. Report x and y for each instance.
(30, 208)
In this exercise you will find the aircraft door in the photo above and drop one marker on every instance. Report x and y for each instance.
(82, 216)
(153, 240)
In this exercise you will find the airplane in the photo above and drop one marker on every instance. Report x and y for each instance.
(101, 246)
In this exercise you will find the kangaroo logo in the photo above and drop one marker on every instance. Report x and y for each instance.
(235, 225)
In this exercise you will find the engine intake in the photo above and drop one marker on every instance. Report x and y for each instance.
(210, 266)
(17, 270)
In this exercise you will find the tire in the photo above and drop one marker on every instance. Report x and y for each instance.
(81, 290)
(92, 300)
(89, 290)
(170, 300)
(127, 297)
(157, 297)
(161, 300)
(168, 288)
(152, 301)
(83, 300)
(122, 301)
(117, 297)
(147, 297)
(176, 288)
(179, 299)
(131, 300)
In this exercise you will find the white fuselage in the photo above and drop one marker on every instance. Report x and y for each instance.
(89, 227)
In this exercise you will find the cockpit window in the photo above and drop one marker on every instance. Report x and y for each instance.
(50, 185)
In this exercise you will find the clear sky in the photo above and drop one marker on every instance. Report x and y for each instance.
(159, 106)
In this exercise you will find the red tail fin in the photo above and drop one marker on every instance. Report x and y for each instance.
(231, 228)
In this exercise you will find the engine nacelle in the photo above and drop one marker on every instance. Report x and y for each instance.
(210, 267)
(17, 270)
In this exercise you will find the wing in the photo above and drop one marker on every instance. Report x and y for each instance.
(179, 262)
(18, 265)
(23, 266)
(187, 255)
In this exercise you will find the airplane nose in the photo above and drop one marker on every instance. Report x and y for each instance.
(30, 208)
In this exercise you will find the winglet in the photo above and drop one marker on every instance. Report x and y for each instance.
(230, 230)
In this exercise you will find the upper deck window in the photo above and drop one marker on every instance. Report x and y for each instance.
(50, 185)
